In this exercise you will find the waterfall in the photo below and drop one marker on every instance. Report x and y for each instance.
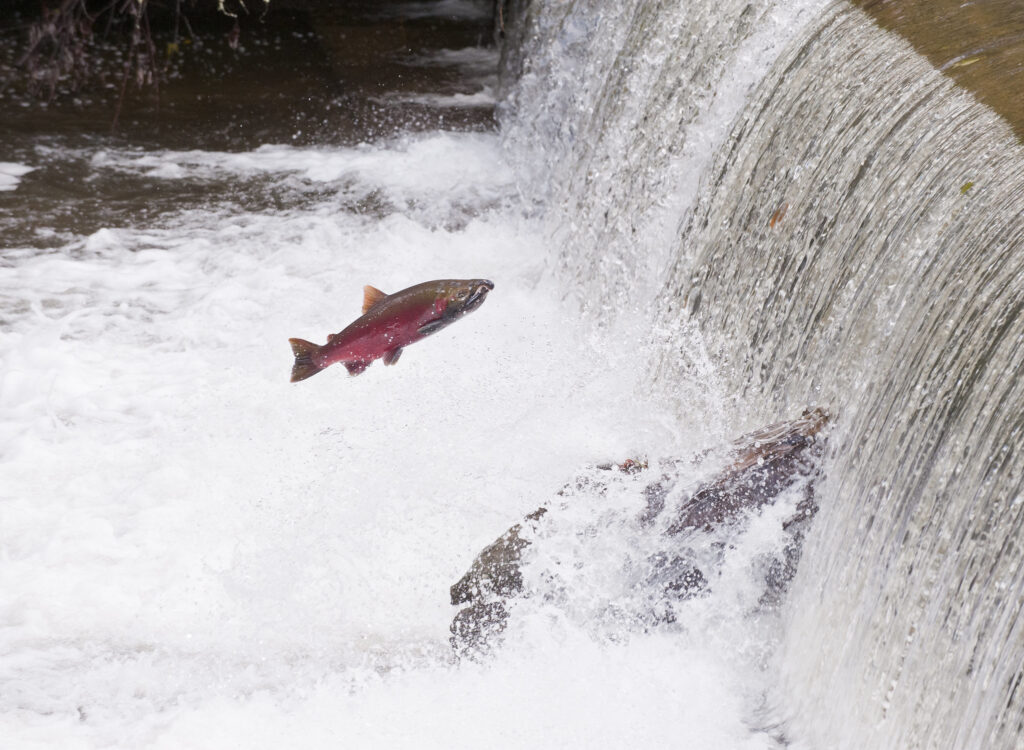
(831, 221)
(618, 109)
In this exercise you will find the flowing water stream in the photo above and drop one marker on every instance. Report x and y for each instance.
(698, 220)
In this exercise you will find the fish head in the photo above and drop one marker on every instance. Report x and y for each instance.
(456, 298)
(466, 296)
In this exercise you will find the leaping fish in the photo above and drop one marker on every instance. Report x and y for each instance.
(389, 323)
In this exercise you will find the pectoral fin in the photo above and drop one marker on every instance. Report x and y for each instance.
(371, 296)
(432, 327)
(354, 368)
(392, 356)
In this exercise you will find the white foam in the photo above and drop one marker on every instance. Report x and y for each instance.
(472, 59)
(432, 171)
(199, 553)
(470, 10)
(11, 174)
(483, 98)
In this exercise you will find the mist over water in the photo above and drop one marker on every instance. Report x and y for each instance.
(698, 220)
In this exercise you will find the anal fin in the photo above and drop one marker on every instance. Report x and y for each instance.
(355, 368)
(392, 356)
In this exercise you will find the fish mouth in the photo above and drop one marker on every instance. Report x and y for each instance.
(477, 297)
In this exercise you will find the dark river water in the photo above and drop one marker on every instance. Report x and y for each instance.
(339, 74)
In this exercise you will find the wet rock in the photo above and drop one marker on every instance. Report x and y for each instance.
(495, 571)
(760, 466)
(674, 579)
(475, 627)
(764, 464)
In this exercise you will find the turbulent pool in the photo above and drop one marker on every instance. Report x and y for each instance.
(197, 553)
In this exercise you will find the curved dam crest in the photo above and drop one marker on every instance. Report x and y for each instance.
(856, 242)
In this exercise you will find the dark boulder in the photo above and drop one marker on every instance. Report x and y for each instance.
(759, 467)
(495, 571)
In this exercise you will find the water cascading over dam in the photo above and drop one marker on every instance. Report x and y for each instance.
(804, 199)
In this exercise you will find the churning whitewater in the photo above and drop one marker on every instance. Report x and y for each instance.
(197, 554)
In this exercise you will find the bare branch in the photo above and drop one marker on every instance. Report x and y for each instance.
(61, 42)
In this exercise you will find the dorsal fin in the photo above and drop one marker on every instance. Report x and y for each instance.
(371, 296)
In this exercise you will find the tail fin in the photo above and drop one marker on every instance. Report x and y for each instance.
(304, 366)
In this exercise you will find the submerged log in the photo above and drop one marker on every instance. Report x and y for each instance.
(761, 466)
